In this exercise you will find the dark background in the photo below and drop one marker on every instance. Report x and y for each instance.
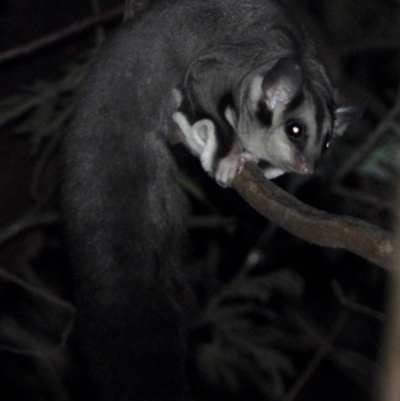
(313, 345)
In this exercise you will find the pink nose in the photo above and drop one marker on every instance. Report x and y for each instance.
(306, 168)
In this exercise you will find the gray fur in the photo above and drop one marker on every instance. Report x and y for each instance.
(170, 67)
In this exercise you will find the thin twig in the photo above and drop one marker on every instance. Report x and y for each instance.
(28, 222)
(71, 30)
(133, 6)
(354, 365)
(43, 295)
(354, 306)
(368, 45)
(100, 32)
(363, 198)
(320, 354)
(365, 148)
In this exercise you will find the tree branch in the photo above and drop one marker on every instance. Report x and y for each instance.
(62, 34)
(389, 380)
(310, 224)
(133, 6)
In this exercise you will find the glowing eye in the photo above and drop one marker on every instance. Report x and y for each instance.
(294, 129)
(327, 143)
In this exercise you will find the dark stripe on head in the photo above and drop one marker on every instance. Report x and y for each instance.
(295, 103)
(289, 34)
(224, 102)
(319, 112)
(331, 110)
(263, 114)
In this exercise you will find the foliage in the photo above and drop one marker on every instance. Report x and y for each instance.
(243, 335)
(43, 108)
